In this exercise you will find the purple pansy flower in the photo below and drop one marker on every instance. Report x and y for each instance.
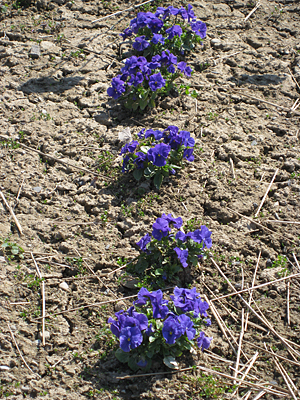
(160, 229)
(177, 222)
(168, 58)
(158, 38)
(187, 14)
(171, 330)
(184, 68)
(175, 30)
(127, 33)
(129, 147)
(143, 243)
(199, 28)
(203, 341)
(173, 10)
(202, 235)
(125, 163)
(149, 331)
(182, 256)
(200, 307)
(187, 326)
(139, 160)
(141, 133)
(188, 154)
(117, 88)
(185, 299)
(158, 154)
(160, 309)
(156, 134)
(171, 69)
(156, 82)
(130, 338)
(155, 25)
(142, 363)
(140, 43)
(181, 236)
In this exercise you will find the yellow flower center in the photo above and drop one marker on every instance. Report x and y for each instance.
(170, 333)
(128, 339)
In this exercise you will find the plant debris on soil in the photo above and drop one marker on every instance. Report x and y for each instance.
(69, 217)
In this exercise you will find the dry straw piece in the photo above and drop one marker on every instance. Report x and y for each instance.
(12, 213)
(43, 299)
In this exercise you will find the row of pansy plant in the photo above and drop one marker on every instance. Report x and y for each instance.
(166, 252)
(161, 40)
(155, 327)
(157, 154)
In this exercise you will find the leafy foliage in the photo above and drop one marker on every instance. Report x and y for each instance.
(157, 154)
(165, 253)
(155, 327)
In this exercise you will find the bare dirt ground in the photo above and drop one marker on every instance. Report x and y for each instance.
(80, 224)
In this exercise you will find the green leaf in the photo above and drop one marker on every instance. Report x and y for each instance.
(128, 103)
(159, 324)
(174, 166)
(158, 178)
(149, 354)
(159, 271)
(134, 106)
(170, 362)
(14, 251)
(149, 171)
(138, 173)
(143, 103)
(122, 356)
(132, 364)
(145, 149)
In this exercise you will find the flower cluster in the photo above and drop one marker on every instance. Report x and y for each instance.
(157, 44)
(157, 153)
(176, 29)
(165, 253)
(154, 326)
(141, 81)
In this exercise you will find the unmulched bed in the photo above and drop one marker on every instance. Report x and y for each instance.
(81, 217)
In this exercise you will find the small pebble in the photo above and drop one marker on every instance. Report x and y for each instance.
(37, 189)
(47, 335)
(273, 382)
(4, 368)
(269, 263)
(120, 305)
(35, 52)
(64, 286)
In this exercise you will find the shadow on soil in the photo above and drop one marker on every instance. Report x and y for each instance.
(49, 84)
(260, 80)
(104, 374)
